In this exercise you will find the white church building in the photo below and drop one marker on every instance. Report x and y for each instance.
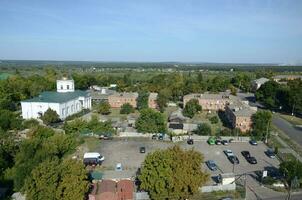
(65, 101)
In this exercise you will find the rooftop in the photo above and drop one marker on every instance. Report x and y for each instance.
(242, 109)
(57, 97)
(153, 95)
(221, 95)
(125, 94)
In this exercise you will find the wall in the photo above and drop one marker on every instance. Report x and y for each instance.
(212, 188)
(32, 109)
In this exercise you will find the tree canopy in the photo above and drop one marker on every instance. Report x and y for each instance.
(191, 108)
(142, 100)
(127, 109)
(203, 129)
(103, 108)
(50, 116)
(150, 121)
(262, 121)
(53, 179)
(173, 173)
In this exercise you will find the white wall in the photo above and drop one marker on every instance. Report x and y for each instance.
(65, 85)
(32, 109)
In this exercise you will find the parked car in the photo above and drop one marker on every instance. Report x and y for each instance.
(190, 141)
(225, 142)
(246, 154)
(211, 141)
(211, 165)
(106, 137)
(154, 137)
(218, 142)
(270, 153)
(142, 149)
(251, 160)
(253, 142)
(93, 158)
(118, 167)
(248, 157)
(161, 136)
(233, 159)
(228, 152)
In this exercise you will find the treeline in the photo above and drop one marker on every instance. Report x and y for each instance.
(285, 97)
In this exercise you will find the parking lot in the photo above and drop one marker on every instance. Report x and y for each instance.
(126, 151)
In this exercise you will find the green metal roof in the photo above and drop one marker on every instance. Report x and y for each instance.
(58, 97)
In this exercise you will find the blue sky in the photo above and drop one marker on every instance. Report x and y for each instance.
(157, 30)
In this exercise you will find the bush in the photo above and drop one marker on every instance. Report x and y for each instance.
(77, 115)
(126, 109)
(191, 108)
(50, 116)
(214, 120)
(30, 123)
(203, 129)
(103, 108)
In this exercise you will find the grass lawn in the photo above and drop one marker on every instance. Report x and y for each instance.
(204, 117)
(292, 119)
(286, 156)
(273, 142)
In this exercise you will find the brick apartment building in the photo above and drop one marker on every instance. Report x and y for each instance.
(240, 114)
(118, 99)
(210, 101)
(152, 100)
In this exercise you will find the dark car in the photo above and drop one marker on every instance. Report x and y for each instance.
(211, 165)
(253, 142)
(218, 142)
(246, 154)
(190, 141)
(251, 160)
(270, 153)
(142, 149)
(154, 137)
(234, 160)
(106, 137)
(225, 142)
(161, 136)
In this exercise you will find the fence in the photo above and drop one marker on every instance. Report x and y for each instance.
(212, 188)
(205, 138)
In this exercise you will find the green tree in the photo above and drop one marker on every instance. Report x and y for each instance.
(127, 109)
(162, 99)
(262, 121)
(142, 100)
(267, 94)
(103, 108)
(98, 127)
(173, 173)
(150, 121)
(191, 108)
(203, 129)
(57, 180)
(9, 120)
(214, 120)
(43, 144)
(292, 171)
(50, 116)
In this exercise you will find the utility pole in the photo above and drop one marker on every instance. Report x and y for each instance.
(267, 128)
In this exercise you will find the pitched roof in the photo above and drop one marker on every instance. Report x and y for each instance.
(58, 97)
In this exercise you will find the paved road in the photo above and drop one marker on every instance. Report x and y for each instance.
(293, 132)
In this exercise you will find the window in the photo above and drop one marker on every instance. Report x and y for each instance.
(63, 112)
(61, 87)
(67, 110)
(67, 87)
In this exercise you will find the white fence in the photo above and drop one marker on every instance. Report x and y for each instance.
(205, 138)
(212, 188)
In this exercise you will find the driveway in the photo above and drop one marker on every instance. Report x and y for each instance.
(293, 132)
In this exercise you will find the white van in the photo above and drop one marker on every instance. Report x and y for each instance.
(93, 158)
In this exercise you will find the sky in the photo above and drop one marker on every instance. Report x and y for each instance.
(226, 31)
